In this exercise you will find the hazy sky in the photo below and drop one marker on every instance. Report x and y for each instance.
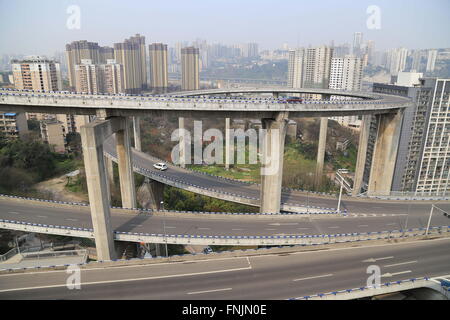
(39, 26)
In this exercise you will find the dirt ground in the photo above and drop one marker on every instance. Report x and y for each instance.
(56, 187)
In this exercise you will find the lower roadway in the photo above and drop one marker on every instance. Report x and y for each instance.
(273, 276)
(355, 205)
(219, 224)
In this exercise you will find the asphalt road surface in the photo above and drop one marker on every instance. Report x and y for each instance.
(275, 276)
(205, 224)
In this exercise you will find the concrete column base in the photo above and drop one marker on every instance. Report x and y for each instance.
(137, 133)
(362, 154)
(151, 194)
(272, 162)
(123, 147)
(92, 136)
(385, 153)
(321, 151)
(229, 150)
(182, 143)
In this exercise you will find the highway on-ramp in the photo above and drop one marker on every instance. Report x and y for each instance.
(248, 193)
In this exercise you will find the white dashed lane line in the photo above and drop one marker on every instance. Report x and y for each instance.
(208, 291)
(313, 277)
(399, 264)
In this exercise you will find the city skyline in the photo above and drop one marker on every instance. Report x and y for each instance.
(294, 23)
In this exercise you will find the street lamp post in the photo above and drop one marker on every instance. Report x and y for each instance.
(429, 219)
(164, 226)
(17, 245)
(339, 201)
(340, 193)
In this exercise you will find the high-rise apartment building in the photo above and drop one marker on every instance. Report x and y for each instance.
(158, 67)
(36, 73)
(132, 55)
(423, 157)
(252, 50)
(370, 51)
(87, 77)
(310, 68)
(431, 61)
(295, 68)
(81, 50)
(416, 61)
(105, 54)
(112, 77)
(99, 78)
(396, 60)
(357, 42)
(190, 69)
(346, 74)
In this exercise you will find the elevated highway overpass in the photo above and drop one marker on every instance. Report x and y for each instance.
(150, 226)
(112, 114)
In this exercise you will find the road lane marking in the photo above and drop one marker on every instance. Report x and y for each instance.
(302, 228)
(334, 227)
(130, 280)
(391, 224)
(13, 212)
(42, 216)
(208, 291)
(399, 264)
(314, 277)
(136, 225)
(283, 224)
(125, 266)
(363, 225)
(270, 229)
(386, 275)
(204, 228)
(72, 219)
(236, 229)
(168, 227)
(377, 259)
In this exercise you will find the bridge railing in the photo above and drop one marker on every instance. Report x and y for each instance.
(305, 240)
(368, 291)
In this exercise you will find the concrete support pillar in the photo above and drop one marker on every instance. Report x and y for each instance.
(229, 150)
(182, 143)
(137, 133)
(92, 137)
(362, 154)
(123, 147)
(275, 95)
(109, 175)
(272, 162)
(385, 153)
(321, 150)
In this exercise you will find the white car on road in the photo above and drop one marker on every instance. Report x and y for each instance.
(160, 166)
